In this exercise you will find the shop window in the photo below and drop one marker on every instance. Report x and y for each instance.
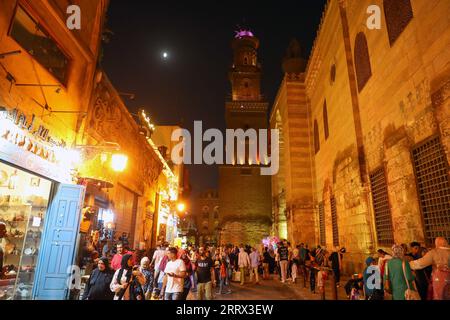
(381, 208)
(362, 61)
(398, 14)
(322, 224)
(36, 41)
(433, 186)
(316, 137)
(325, 120)
(24, 200)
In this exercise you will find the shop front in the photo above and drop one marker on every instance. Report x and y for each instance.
(168, 222)
(39, 210)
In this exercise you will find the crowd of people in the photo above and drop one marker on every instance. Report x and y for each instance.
(171, 273)
(407, 273)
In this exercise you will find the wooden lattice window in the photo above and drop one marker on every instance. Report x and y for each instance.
(325, 120)
(398, 14)
(431, 169)
(322, 224)
(381, 208)
(362, 61)
(316, 137)
(334, 221)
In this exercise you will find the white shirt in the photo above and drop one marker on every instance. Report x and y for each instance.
(243, 259)
(116, 284)
(175, 284)
(254, 259)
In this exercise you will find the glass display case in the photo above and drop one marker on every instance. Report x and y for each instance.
(24, 200)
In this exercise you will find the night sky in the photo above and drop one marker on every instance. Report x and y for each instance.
(192, 84)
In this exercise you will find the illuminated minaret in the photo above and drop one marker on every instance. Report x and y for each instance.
(244, 194)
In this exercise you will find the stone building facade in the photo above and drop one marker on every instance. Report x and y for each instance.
(374, 114)
(207, 217)
(132, 195)
(46, 80)
(244, 194)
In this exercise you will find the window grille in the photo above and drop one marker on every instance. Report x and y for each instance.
(334, 221)
(431, 169)
(322, 224)
(383, 217)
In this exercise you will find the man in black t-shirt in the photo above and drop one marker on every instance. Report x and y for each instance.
(205, 276)
(283, 251)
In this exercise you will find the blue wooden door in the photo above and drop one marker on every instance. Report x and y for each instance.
(58, 243)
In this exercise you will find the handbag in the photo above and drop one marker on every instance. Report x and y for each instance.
(410, 294)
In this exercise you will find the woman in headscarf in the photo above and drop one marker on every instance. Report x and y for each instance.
(397, 272)
(336, 264)
(148, 273)
(127, 281)
(439, 259)
(97, 287)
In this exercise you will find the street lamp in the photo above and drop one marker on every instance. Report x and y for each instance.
(119, 162)
(181, 207)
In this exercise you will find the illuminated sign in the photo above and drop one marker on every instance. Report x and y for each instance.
(20, 130)
(19, 133)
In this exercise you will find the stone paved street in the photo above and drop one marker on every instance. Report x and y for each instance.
(275, 290)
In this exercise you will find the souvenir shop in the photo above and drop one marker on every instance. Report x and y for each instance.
(39, 209)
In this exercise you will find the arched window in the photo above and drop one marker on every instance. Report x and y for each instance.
(316, 137)
(398, 14)
(325, 120)
(205, 211)
(362, 61)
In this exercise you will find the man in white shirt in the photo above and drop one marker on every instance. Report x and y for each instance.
(175, 272)
(244, 263)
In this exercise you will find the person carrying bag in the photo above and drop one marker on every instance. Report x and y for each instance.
(410, 294)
